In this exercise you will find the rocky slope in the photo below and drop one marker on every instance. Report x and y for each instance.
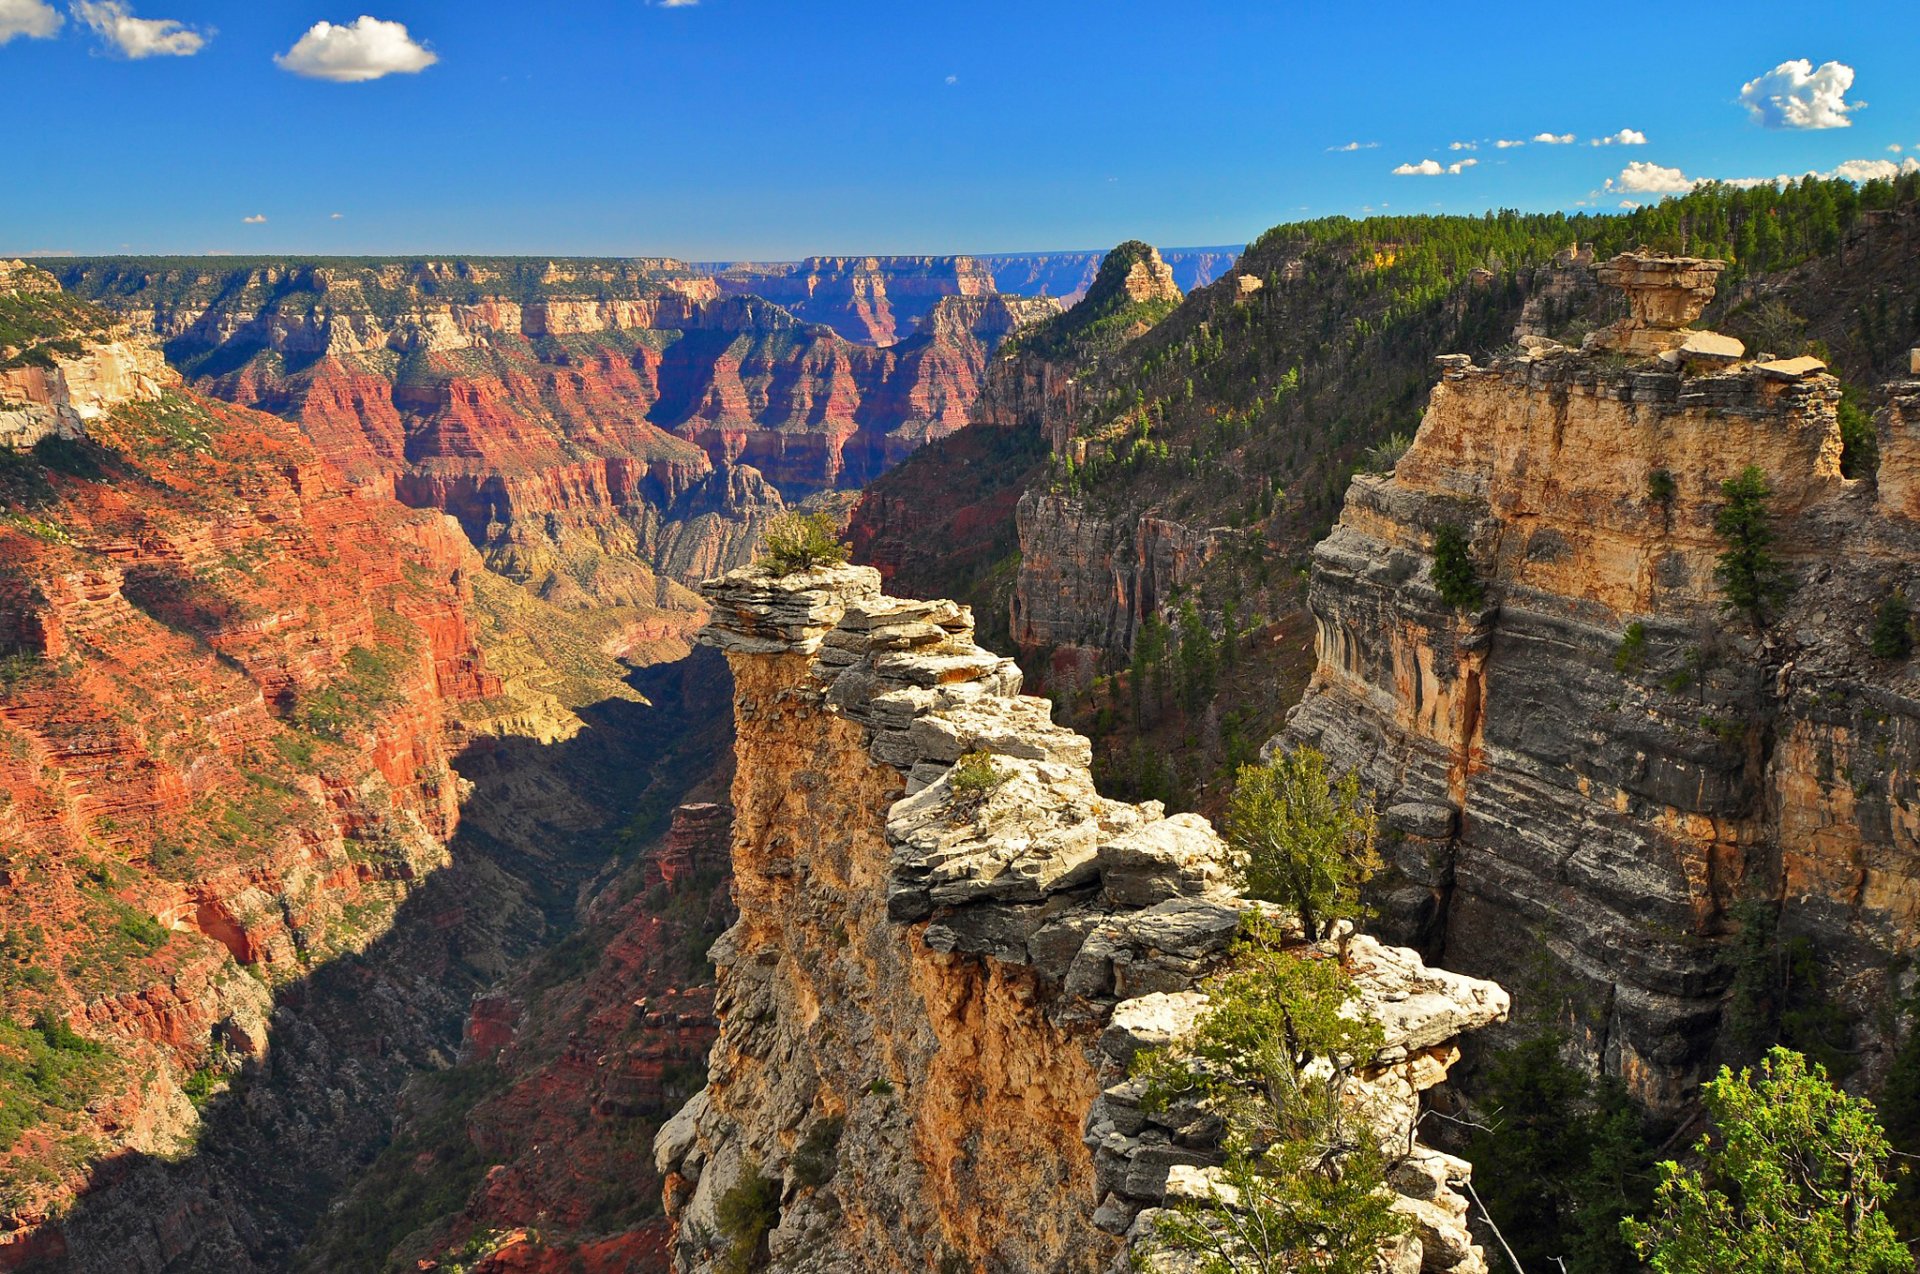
(1600, 772)
(230, 705)
(287, 776)
(929, 999)
(601, 430)
(534, 1153)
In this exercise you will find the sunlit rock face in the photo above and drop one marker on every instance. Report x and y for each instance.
(1590, 773)
(943, 987)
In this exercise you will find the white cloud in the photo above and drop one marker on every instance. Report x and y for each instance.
(1873, 169)
(953, 79)
(1629, 203)
(335, 216)
(34, 19)
(1353, 146)
(1625, 137)
(1894, 149)
(1554, 139)
(1795, 95)
(1653, 179)
(1645, 178)
(1434, 168)
(675, 4)
(1508, 143)
(362, 50)
(257, 219)
(1463, 145)
(135, 37)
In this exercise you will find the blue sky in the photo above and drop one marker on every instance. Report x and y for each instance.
(777, 128)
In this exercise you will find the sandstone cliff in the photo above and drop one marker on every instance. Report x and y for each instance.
(929, 998)
(1600, 762)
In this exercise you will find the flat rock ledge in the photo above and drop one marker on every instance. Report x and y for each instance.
(1119, 911)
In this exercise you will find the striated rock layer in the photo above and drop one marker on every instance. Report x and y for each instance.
(229, 688)
(1603, 762)
(930, 996)
(603, 431)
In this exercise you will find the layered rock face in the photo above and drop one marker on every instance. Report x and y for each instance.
(229, 705)
(869, 300)
(932, 991)
(602, 430)
(52, 384)
(1603, 761)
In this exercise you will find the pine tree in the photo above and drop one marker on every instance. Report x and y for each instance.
(1748, 573)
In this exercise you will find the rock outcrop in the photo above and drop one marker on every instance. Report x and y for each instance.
(933, 989)
(51, 382)
(1602, 762)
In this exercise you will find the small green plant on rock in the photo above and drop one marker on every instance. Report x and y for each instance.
(1454, 575)
(1385, 454)
(747, 1212)
(1631, 654)
(1892, 635)
(799, 542)
(975, 776)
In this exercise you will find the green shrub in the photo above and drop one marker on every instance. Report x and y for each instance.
(975, 776)
(1892, 636)
(1661, 488)
(1794, 1178)
(1631, 654)
(1385, 454)
(1270, 1057)
(799, 542)
(1453, 570)
(1859, 443)
(746, 1212)
(1305, 840)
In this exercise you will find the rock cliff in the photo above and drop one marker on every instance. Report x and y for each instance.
(931, 994)
(229, 694)
(1600, 761)
(603, 431)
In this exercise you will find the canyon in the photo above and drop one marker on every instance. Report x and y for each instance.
(603, 431)
(373, 801)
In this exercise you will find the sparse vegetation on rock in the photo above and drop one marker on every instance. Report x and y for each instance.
(799, 542)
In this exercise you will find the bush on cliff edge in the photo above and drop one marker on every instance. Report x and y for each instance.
(800, 542)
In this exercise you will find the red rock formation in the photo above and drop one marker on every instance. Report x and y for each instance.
(620, 430)
(225, 741)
